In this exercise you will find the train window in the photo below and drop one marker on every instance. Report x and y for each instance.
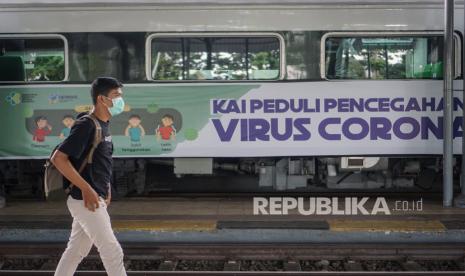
(200, 57)
(32, 59)
(384, 57)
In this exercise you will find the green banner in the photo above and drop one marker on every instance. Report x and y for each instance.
(156, 118)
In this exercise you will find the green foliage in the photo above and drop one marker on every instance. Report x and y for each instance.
(265, 60)
(356, 69)
(47, 68)
(222, 65)
(169, 66)
(381, 58)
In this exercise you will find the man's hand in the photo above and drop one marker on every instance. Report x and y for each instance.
(62, 163)
(108, 200)
(90, 197)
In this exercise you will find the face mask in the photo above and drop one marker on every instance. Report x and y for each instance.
(118, 106)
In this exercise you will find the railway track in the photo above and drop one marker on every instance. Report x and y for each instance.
(250, 259)
(242, 273)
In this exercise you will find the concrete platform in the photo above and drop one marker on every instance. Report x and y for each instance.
(231, 220)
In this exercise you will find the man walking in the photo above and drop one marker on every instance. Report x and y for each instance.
(90, 190)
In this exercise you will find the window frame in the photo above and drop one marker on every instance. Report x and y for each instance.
(457, 50)
(42, 36)
(148, 53)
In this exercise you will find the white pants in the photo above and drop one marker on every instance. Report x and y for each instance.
(91, 228)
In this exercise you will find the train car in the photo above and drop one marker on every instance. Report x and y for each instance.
(298, 95)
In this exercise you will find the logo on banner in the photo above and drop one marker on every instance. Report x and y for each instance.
(14, 98)
(57, 98)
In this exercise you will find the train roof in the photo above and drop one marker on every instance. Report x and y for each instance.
(62, 16)
(45, 3)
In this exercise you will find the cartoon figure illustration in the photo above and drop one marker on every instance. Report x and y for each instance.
(68, 122)
(134, 129)
(167, 131)
(43, 129)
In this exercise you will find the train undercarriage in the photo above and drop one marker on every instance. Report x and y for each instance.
(147, 176)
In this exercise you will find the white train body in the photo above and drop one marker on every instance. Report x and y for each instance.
(330, 87)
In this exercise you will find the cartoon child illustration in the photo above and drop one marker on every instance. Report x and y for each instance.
(134, 129)
(167, 131)
(43, 129)
(68, 122)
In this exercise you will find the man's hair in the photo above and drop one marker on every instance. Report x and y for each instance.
(38, 118)
(168, 116)
(102, 86)
(134, 116)
(67, 116)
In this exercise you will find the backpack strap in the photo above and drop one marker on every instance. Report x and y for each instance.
(95, 143)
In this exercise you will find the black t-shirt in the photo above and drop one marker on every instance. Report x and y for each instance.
(77, 145)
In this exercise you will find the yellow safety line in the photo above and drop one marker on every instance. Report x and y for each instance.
(164, 225)
(347, 225)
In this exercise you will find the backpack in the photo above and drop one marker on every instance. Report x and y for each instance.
(53, 179)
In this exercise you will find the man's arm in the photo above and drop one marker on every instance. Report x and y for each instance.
(62, 163)
(108, 200)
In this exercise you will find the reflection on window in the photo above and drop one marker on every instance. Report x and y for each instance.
(34, 59)
(215, 58)
(384, 57)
